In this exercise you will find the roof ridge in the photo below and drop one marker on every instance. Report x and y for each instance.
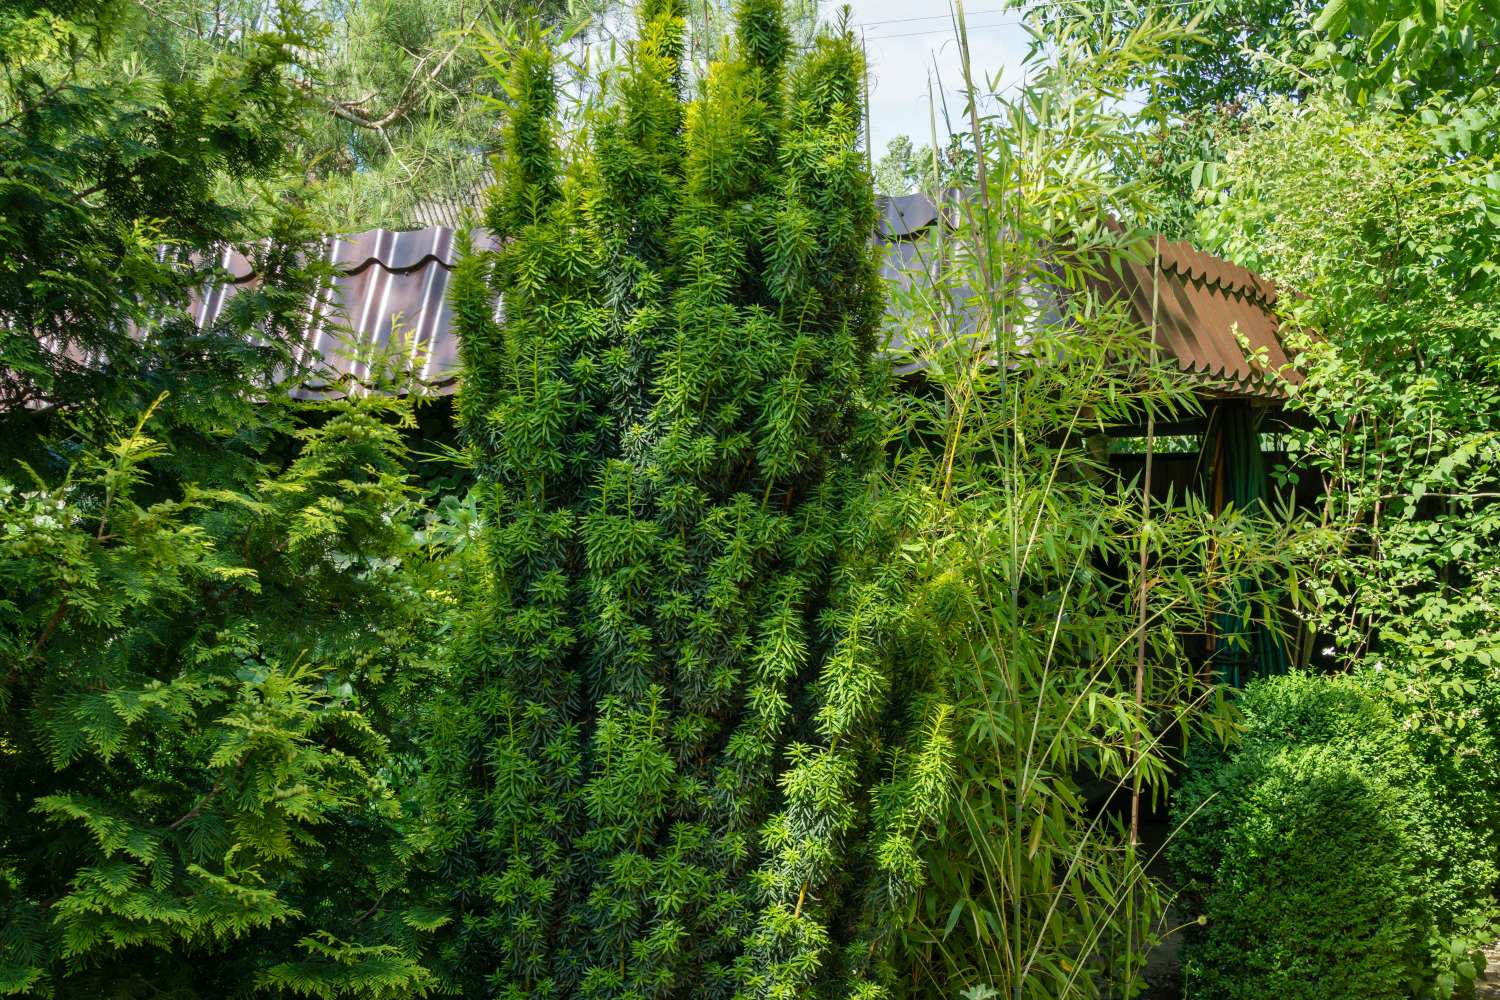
(1210, 271)
(397, 251)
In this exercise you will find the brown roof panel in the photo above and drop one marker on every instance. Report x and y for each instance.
(1195, 319)
(1204, 312)
(1205, 300)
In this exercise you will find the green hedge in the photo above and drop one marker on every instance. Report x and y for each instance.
(1333, 852)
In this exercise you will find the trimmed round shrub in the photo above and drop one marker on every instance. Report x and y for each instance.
(1317, 893)
(1327, 854)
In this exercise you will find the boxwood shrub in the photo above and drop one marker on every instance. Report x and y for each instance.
(1332, 852)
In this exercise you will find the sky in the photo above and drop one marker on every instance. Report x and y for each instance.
(910, 40)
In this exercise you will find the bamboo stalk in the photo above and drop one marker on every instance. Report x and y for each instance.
(1142, 597)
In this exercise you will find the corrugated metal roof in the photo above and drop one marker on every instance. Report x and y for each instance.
(394, 285)
(1201, 301)
(390, 293)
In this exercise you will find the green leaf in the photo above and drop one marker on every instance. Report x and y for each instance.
(1333, 18)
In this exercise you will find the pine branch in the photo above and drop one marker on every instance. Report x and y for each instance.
(52, 623)
(350, 112)
(370, 912)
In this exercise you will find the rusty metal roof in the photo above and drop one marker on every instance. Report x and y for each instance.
(1201, 302)
(392, 288)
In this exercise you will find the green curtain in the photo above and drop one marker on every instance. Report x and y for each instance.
(1245, 647)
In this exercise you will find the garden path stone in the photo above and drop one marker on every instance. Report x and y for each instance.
(1488, 988)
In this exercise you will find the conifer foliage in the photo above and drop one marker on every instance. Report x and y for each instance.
(200, 795)
(213, 606)
(649, 771)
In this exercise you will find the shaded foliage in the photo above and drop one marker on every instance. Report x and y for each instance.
(1051, 619)
(214, 602)
(1374, 190)
(196, 713)
(105, 171)
(1332, 851)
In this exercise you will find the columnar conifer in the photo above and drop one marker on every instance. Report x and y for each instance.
(664, 710)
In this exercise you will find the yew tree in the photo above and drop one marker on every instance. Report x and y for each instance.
(651, 769)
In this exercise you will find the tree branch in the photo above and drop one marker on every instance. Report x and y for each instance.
(350, 112)
(52, 623)
(197, 809)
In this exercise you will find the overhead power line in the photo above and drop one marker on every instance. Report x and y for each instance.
(936, 17)
(1173, 5)
(942, 31)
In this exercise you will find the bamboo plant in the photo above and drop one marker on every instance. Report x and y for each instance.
(1052, 605)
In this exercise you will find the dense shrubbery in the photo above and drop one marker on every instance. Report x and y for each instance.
(201, 725)
(1331, 852)
(214, 602)
(759, 681)
(1372, 186)
(1049, 613)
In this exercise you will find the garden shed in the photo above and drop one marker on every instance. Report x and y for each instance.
(391, 289)
(1215, 320)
